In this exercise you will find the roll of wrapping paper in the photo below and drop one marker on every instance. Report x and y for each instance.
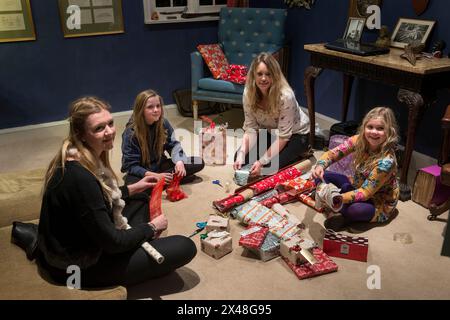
(152, 252)
(245, 193)
(306, 199)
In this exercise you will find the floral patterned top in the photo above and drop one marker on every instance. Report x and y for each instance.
(291, 120)
(378, 183)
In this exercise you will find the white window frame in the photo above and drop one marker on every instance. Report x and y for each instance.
(193, 6)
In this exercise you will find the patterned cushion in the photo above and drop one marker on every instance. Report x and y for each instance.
(236, 73)
(215, 59)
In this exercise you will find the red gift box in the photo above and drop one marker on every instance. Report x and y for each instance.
(253, 237)
(344, 246)
(324, 265)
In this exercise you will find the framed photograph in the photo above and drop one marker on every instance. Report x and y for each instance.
(81, 18)
(354, 29)
(411, 30)
(16, 21)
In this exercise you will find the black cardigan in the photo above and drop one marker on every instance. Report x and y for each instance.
(76, 223)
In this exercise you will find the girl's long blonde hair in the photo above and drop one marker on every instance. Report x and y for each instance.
(80, 110)
(279, 84)
(141, 128)
(388, 147)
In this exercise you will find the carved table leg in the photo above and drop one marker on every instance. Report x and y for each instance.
(311, 73)
(415, 103)
(348, 82)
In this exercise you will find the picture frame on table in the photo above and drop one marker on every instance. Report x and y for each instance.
(354, 29)
(96, 17)
(16, 21)
(409, 31)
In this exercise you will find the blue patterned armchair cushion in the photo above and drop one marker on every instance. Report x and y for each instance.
(244, 33)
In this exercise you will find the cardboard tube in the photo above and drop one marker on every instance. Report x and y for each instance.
(152, 252)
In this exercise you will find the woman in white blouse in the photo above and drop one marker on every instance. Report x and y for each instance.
(270, 103)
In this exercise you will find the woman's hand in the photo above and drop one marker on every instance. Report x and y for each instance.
(166, 175)
(255, 170)
(145, 183)
(180, 169)
(317, 172)
(240, 159)
(160, 223)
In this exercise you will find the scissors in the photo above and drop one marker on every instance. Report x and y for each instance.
(200, 226)
(217, 182)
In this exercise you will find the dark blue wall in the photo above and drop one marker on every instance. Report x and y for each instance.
(38, 79)
(326, 21)
(41, 77)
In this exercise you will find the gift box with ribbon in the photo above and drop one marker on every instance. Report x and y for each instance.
(269, 249)
(253, 236)
(298, 250)
(307, 270)
(218, 223)
(216, 243)
(345, 246)
(213, 142)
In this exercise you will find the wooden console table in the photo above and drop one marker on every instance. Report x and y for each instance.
(417, 86)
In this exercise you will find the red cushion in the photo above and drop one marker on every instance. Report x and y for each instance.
(236, 73)
(215, 59)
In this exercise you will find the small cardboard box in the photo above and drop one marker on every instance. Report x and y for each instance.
(217, 244)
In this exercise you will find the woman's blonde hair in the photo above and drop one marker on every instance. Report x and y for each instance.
(387, 148)
(279, 84)
(80, 110)
(141, 128)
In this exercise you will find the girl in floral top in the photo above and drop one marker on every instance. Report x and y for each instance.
(372, 193)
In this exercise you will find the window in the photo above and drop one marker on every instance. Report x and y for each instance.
(161, 11)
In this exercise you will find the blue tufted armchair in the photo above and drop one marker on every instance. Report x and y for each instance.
(243, 34)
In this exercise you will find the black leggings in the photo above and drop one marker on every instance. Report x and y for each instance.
(194, 165)
(294, 150)
(134, 266)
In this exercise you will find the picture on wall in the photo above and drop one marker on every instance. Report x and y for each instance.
(411, 30)
(16, 21)
(90, 17)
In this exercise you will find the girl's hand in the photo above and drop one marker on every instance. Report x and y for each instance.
(145, 183)
(318, 172)
(180, 169)
(255, 170)
(160, 223)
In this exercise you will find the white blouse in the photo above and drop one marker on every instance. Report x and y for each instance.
(291, 120)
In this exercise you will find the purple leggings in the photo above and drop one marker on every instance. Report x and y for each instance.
(356, 211)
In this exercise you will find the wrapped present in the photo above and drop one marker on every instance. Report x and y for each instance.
(217, 244)
(254, 212)
(323, 265)
(218, 223)
(241, 176)
(276, 179)
(298, 250)
(328, 196)
(213, 142)
(253, 236)
(309, 201)
(229, 202)
(299, 185)
(344, 246)
(282, 227)
(258, 198)
(269, 249)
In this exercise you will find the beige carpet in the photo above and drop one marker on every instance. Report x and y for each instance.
(408, 271)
